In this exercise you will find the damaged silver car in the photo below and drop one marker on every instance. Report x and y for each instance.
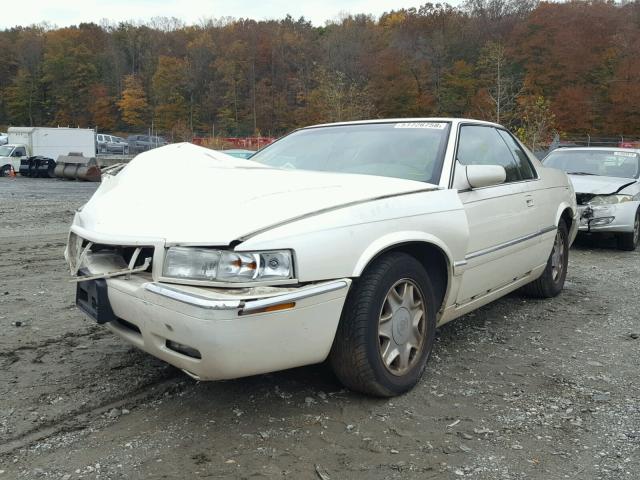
(606, 181)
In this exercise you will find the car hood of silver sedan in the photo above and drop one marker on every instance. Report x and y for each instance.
(183, 193)
(599, 185)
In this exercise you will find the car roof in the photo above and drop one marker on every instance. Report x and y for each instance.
(402, 120)
(596, 149)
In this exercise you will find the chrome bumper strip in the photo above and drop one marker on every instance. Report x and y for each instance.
(246, 306)
(192, 298)
(304, 292)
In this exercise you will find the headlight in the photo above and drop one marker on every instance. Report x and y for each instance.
(227, 266)
(610, 199)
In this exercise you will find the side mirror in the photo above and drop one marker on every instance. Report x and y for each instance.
(485, 175)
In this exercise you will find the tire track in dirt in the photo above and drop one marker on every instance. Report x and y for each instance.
(82, 418)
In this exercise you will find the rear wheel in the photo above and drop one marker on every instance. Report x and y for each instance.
(386, 332)
(551, 282)
(629, 241)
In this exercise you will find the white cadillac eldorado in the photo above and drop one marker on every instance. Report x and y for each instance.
(349, 241)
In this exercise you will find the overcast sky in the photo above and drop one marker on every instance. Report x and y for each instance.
(70, 12)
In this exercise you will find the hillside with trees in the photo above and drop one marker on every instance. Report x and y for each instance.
(536, 67)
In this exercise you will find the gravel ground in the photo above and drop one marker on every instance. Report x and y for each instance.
(520, 389)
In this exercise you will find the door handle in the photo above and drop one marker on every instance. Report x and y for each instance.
(530, 202)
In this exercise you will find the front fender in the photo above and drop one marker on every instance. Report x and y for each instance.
(391, 240)
(339, 243)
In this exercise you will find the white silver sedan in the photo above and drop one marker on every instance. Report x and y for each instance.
(607, 186)
(348, 241)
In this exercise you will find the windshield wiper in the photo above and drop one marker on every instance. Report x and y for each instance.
(580, 173)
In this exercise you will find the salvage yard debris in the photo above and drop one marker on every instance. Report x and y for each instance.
(76, 166)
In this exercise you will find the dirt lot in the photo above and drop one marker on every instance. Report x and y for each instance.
(521, 389)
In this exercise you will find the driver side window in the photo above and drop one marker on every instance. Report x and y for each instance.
(480, 145)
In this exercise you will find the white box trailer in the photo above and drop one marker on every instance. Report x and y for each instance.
(26, 142)
(53, 142)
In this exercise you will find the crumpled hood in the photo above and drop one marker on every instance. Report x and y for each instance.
(599, 185)
(183, 193)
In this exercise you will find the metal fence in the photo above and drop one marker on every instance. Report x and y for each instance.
(576, 140)
(589, 141)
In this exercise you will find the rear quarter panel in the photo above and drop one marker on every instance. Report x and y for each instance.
(558, 195)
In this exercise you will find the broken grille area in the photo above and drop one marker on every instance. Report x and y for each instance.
(584, 198)
(126, 253)
(107, 260)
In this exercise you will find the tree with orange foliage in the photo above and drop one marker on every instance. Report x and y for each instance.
(101, 109)
(133, 102)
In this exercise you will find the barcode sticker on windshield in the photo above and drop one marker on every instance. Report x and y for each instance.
(625, 154)
(439, 126)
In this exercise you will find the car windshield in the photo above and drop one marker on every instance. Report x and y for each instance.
(409, 150)
(607, 163)
(5, 151)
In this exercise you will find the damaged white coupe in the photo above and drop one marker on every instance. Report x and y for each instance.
(350, 241)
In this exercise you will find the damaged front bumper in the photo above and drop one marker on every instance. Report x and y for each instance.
(615, 218)
(217, 333)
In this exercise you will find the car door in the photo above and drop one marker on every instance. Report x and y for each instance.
(541, 206)
(501, 217)
(101, 143)
(18, 154)
(111, 143)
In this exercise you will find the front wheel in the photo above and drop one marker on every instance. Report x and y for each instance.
(551, 282)
(387, 329)
(629, 241)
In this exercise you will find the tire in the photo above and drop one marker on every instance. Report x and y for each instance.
(4, 170)
(551, 282)
(364, 337)
(629, 240)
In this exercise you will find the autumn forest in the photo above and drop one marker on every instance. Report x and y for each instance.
(536, 67)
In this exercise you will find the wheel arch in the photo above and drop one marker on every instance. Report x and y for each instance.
(569, 214)
(430, 251)
(566, 213)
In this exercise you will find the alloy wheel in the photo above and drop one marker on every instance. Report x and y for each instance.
(557, 257)
(401, 327)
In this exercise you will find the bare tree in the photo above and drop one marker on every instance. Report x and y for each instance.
(502, 86)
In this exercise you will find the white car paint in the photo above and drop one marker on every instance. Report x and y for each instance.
(257, 204)
(600, 185)
(494, 239)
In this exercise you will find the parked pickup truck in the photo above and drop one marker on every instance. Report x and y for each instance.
(143, 143)
(348, 241)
